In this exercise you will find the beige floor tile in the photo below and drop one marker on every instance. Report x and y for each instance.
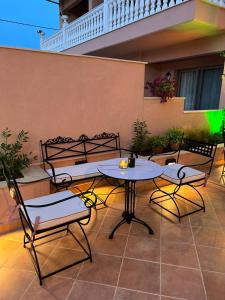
(209, 236)
(143, 248)
(215, 285)
(140, 230)
(8, 248)
(182, 282)
(108, 246)
(23, 261)
(13, 283)
(180, 254)
(123, 294)
(69, 242)
(140, 272)
(104, 269)
(53, 288)
(208, 219)
(176, 233)
(140, 275)
(91, 291)
(212, 259)
(16, 235)
(60, 257)
(110, 222)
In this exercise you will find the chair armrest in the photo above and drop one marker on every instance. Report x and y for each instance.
(89, 203)
(162, 154)
(45, 178)
(190, 166)
(52, 203)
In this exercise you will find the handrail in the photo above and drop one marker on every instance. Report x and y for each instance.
(106, 17)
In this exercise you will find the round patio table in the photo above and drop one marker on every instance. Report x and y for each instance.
(143, 170)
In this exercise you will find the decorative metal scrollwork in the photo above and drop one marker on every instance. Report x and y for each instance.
(104, 135)
(83, 137)
(59, 140)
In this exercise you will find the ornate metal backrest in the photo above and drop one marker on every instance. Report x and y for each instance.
(201, 148)
(66, 147)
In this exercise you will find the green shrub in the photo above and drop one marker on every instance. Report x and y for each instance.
(140, 135)
(174, 135)
(157, 141)
(204, 135)
(11, 153)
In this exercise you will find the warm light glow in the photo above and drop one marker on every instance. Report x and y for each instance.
(215, 120)
(123, 164)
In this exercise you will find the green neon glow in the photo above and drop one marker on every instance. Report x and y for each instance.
(215, 119)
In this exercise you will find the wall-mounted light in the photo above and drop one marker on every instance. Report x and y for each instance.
(223, 76)
(168, 75)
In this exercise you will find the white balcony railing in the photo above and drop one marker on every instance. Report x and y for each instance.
(108, 16)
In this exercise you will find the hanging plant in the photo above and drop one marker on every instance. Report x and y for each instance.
(162, 87)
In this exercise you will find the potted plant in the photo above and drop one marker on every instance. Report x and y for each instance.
(162, 87)
(11, 153)
(204, 135)
(140, 135)
(157, 143)
(174, 136)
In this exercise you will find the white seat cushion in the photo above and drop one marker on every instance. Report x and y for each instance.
(191, 174)
(57, 214)
(82, 171)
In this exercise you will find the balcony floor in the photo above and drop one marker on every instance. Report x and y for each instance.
(181, 261)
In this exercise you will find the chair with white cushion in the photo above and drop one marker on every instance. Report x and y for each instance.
(185, 175)
(48, 215)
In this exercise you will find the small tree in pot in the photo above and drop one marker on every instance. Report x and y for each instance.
(174, 136)
(140, 135)
(11, 153)
(157, 143)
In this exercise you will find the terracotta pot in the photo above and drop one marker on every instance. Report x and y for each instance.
(157, 149)
(174, 146)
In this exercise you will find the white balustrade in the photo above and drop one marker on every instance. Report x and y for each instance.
(108, 16)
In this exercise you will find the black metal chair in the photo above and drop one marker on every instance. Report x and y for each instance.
(48, 215)
(185, 175)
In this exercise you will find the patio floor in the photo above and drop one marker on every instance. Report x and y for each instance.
(181, 261)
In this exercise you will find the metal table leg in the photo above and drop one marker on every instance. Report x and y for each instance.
(128, 214)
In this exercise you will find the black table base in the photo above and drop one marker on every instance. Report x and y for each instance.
(128, 215)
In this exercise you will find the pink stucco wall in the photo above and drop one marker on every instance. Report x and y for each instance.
(56, 94)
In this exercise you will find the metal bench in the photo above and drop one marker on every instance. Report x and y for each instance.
(75, 153)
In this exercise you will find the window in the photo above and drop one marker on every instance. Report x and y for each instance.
(200, 87)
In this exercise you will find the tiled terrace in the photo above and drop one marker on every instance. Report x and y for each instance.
(181, 261)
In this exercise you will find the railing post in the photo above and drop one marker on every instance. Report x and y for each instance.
(106, 16)
(42, 38)
(64, 24)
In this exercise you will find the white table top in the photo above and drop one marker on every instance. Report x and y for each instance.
(143, 170)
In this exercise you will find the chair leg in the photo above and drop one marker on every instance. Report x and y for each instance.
(172, 196)
(85, 236)
(36, 262)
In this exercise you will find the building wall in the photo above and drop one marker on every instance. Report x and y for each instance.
(56, 94)
(154, 70)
